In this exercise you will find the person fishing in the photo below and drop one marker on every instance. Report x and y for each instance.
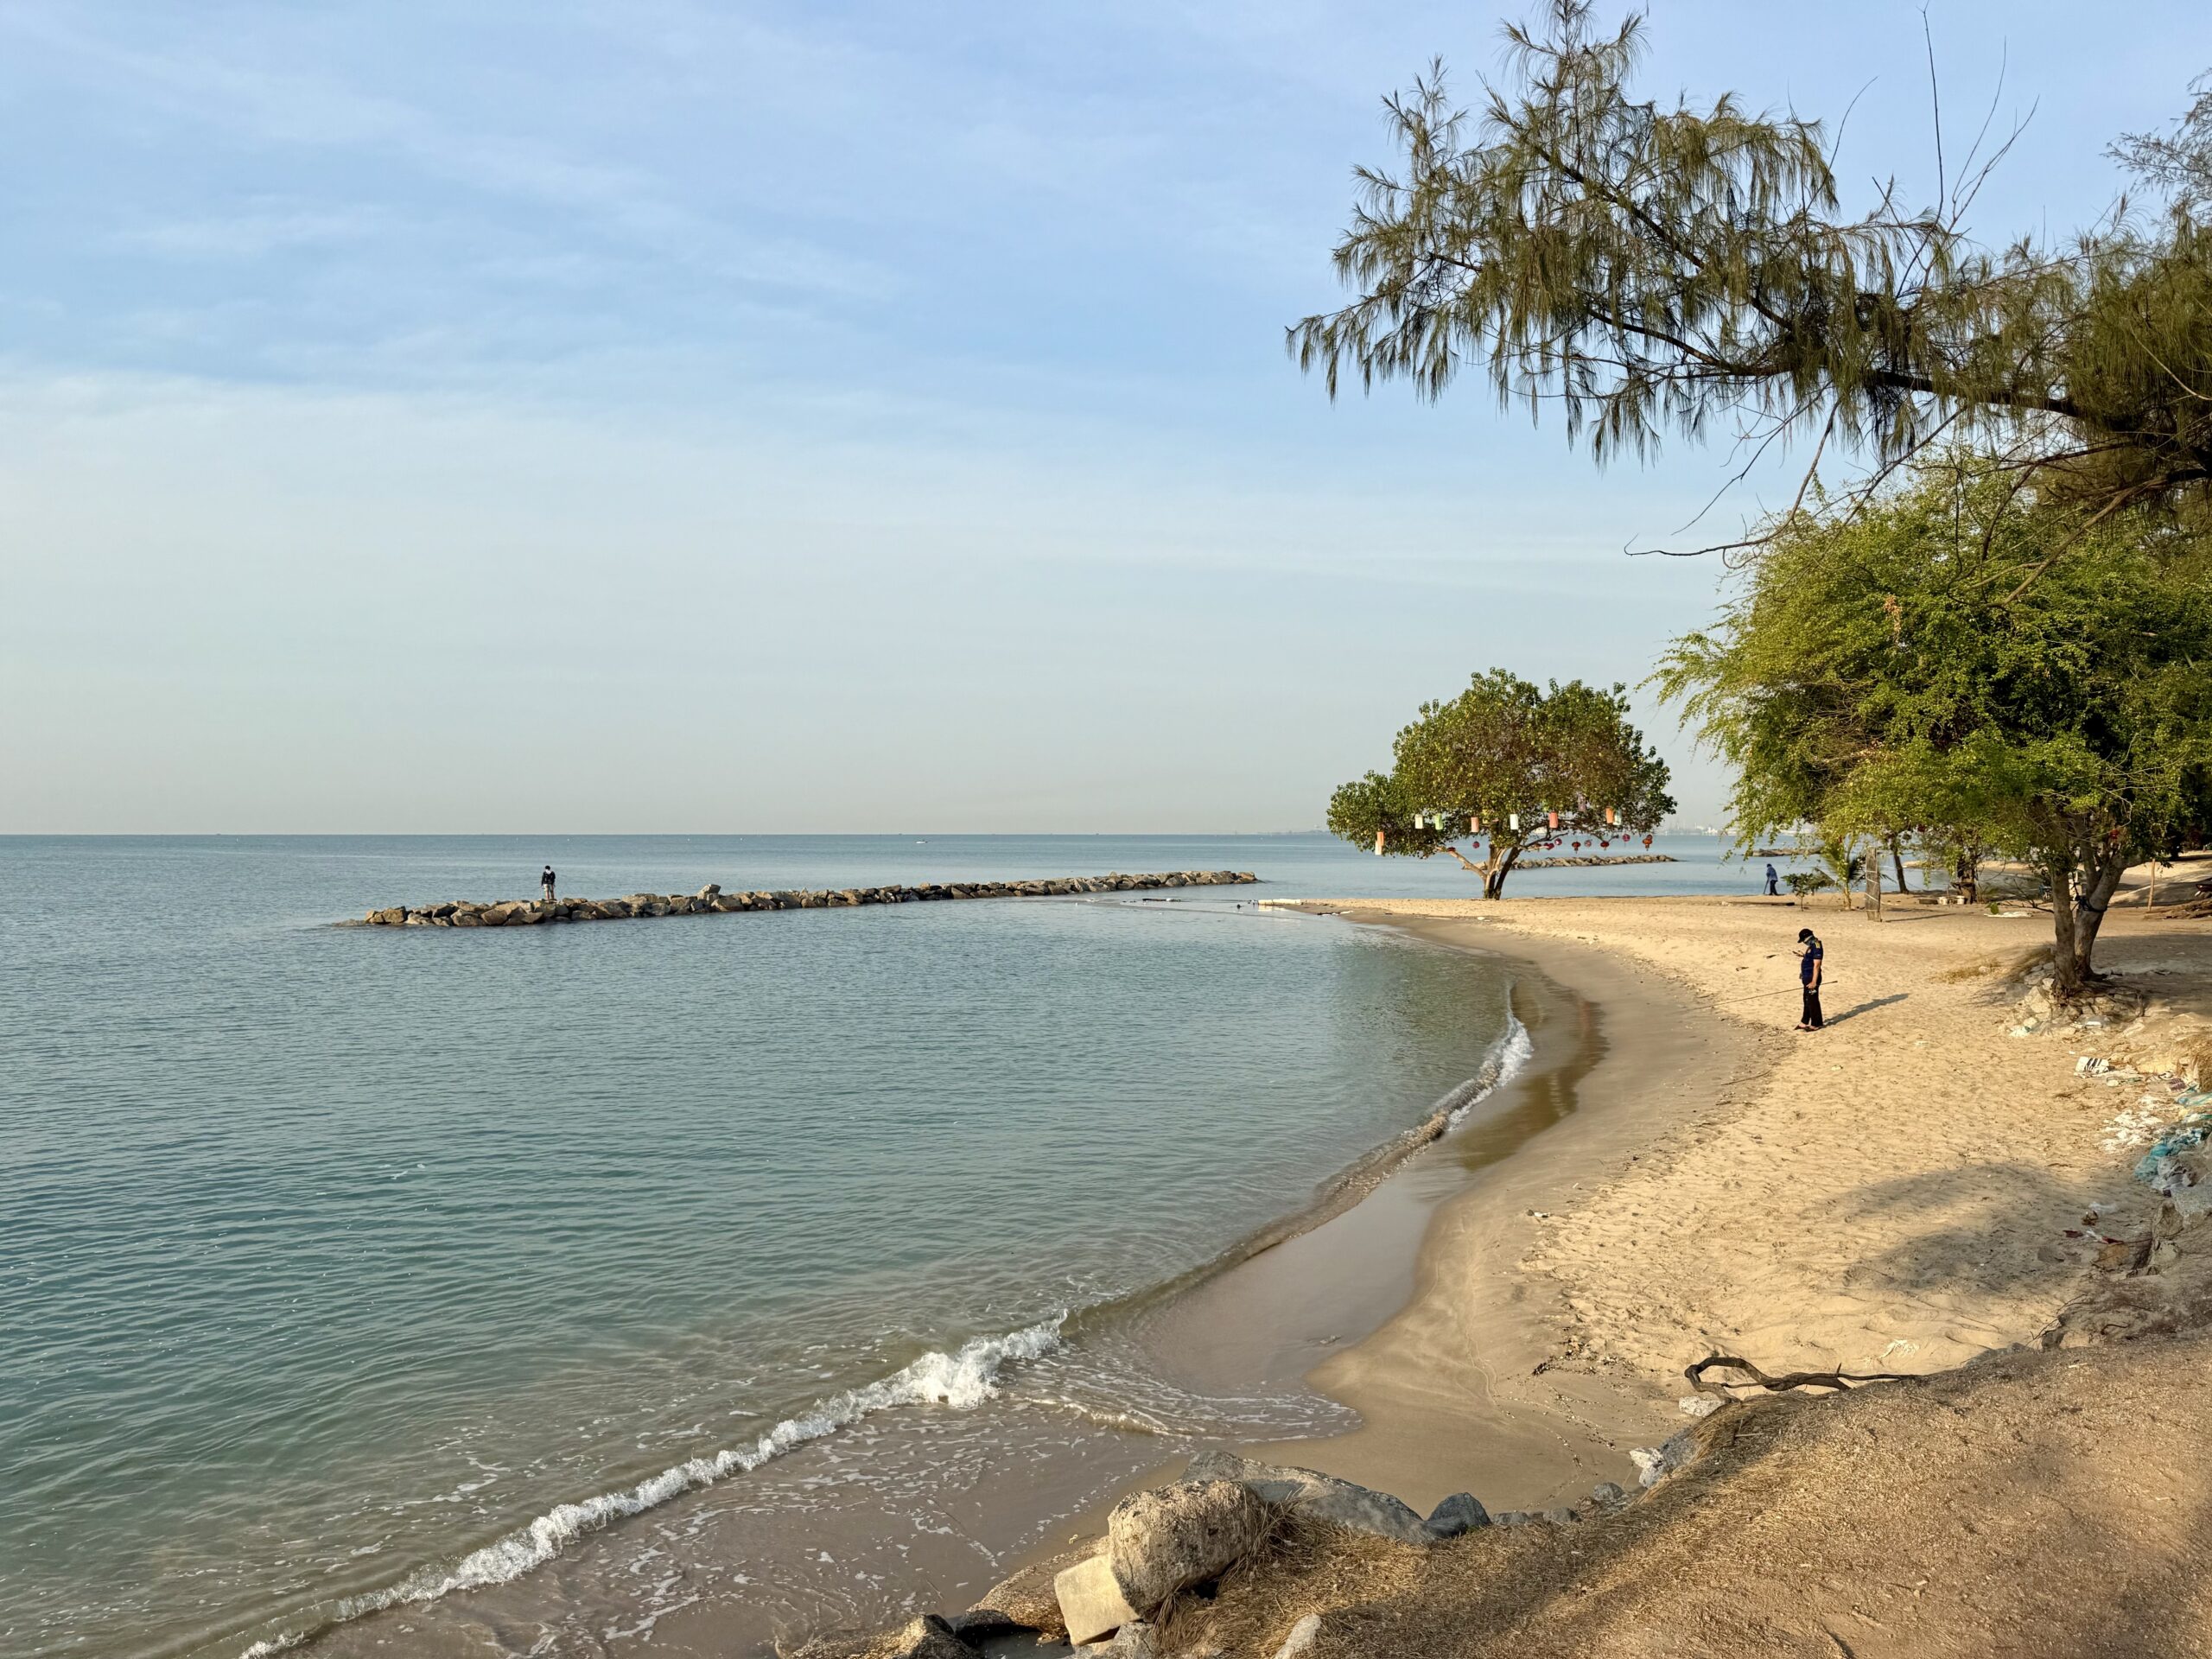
(1810, 960)
(545, 883)
(1773, 890)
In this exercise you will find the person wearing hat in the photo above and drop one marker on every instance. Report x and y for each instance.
(1810, 960)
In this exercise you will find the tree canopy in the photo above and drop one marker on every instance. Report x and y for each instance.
(1879, 670)
(1646, 268)
(1495, 764)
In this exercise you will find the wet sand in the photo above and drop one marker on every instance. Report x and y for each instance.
(1453, 1388)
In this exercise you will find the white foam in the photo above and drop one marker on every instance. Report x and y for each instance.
(961, 1380)
(1514, 1050)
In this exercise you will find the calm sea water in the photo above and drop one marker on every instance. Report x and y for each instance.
(332, 1259)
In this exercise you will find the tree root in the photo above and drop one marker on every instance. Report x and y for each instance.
(1837, 1380)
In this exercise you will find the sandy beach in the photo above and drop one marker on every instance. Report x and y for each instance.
(1673, 1171)
(1925, 1188)
(1938, 1188)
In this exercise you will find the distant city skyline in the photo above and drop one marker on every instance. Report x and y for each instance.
(783, 418)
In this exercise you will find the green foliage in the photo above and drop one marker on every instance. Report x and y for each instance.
(1881, 668)
(1646, 268)
(1504, 748)
(1840, 863)
(1801, 883)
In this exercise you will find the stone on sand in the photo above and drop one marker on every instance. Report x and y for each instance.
(1091, 1602)
(1172, 1537)
(1315, 1496)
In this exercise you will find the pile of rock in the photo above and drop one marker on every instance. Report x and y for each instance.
(1588, 859)
(521, 912)
(1105, 1599)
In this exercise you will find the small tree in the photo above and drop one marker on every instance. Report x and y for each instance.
(1511, 767)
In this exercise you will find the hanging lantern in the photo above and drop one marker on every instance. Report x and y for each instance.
(1554, 817)
(1474, 823)
(1378, 844)
(1647, 841)
(1515, 821)
(1609, 815)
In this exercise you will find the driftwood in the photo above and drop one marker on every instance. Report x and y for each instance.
(1837, 1380)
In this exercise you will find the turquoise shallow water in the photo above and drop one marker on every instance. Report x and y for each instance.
(330, 1258)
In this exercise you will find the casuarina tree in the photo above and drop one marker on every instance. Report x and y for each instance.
(1636, 267)
(1505, 767)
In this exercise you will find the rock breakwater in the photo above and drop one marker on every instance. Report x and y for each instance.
(1589, 861)
(712, 900)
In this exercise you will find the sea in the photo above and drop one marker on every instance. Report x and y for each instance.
(346, 1272)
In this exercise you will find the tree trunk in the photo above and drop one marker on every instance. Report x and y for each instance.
(1495, 872)
(1897, 861)
(1873, 883)
(2076, 919)
(1968, 878)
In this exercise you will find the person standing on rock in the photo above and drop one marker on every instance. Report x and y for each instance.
(1810, 960)
(545, 883)
(1772, 889)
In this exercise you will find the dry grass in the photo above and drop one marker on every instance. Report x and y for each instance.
(2032, 1503)
(2013, 965)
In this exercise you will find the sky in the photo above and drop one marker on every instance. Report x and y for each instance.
(670, 417)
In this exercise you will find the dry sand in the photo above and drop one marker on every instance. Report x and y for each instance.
(1893, 1193)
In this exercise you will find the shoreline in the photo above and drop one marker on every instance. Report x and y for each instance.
(1364, 1303)
(1042, 1508)
(1465, 1366)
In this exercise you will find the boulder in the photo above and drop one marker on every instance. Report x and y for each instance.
(1461, 1512)
(1172, 1537)
(1134, 1640)
(709, 892)
(1091, 1602)
(926, 1637)
(1025, 1600)
(1315, 1496)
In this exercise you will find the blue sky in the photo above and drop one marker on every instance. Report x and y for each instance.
(756, 418)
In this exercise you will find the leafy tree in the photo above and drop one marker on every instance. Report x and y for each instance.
(1492, 765)
(1644, 268)
(1881, 668)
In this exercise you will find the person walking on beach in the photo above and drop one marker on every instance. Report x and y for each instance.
(1810, 960)
(545, 883)
(1772, 890)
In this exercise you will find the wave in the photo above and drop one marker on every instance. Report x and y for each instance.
(1514, 1050)
(961, 1380)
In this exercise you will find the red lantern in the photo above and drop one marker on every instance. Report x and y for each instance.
(1647, 841)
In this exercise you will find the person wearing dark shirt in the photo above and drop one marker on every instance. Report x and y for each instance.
(1810, 960)
(545, 882)
(1772, 890)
